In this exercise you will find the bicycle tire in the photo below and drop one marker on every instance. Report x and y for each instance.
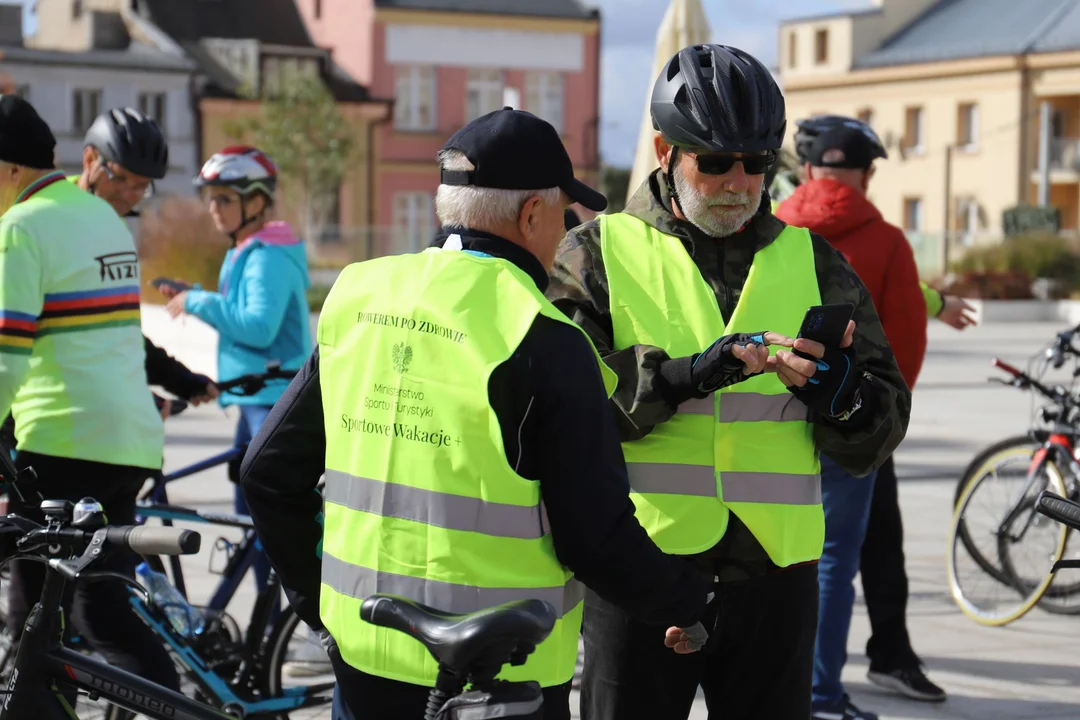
(1014, 448)
(956, 540)
(276, 646)
(987, 453)
(1061, 598)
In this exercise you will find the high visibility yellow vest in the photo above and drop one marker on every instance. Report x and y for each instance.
(420, 500)
(747, 448)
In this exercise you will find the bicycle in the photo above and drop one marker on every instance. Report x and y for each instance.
(471, 649)
(1049, 464)
(230, 669)
(45, 672)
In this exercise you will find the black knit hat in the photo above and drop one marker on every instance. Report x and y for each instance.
(25, 139)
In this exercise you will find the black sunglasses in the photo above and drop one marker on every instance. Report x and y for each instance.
(720, 164)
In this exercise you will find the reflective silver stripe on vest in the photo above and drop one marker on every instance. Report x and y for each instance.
(773, 488)
(700, 481)
(749, 407)
(453, 512)
(360, 582)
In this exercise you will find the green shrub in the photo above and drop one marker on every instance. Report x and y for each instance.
(1031, 256)
(316, 296)
(178, 240)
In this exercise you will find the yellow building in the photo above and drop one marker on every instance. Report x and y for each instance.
(955, 89)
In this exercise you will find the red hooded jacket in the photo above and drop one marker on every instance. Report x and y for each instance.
(880, 254)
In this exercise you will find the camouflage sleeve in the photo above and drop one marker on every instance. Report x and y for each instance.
(579, 289)
(862, 443)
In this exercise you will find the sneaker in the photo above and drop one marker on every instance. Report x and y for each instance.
(848, 712)
(910, 682)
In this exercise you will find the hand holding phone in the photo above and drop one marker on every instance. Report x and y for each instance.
(825, 324)
(169, 288)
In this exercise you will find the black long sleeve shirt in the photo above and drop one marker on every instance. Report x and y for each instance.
(557, 429)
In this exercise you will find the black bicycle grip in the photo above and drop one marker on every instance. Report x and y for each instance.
(147, 540)
(1058, 508)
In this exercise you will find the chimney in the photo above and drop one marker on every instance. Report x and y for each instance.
(11, 25)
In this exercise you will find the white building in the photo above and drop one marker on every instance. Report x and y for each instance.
(69, 89)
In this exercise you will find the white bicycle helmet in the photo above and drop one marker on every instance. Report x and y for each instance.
(241, 168)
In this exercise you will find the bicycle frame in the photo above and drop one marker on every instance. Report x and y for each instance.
(44, 668)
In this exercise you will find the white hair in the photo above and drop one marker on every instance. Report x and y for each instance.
(481, 208)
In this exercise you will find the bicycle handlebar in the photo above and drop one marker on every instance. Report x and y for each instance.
(151, 540)
(254, 382)
(1022, 379)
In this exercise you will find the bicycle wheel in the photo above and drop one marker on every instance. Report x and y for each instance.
(1005, 462)
(1025, 547)
(296, 664)
(980, 462)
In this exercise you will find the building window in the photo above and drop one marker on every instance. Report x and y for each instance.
(792, 49)
(152, 104)
(821, 46)
(913, 129)
(279, 72)
(544, 93)
(414, 108)
(318, 9)
(913, 214)
(76, 9)
(867, 116)
(483, 93)
(85, 106)
(967, 130)
(413, 221)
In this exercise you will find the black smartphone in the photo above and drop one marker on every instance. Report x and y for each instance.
(160, 282)
(825, 324)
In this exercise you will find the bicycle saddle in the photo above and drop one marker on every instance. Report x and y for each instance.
(487, 638)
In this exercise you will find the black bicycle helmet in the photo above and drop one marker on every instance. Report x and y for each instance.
(131, 140)
(718, 98)
(811, 128)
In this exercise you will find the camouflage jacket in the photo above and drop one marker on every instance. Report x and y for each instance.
(644, 398)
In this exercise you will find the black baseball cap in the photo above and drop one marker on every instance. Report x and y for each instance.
(516, 150)
(842, 147)
(25, 139)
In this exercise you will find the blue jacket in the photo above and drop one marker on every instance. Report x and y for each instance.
(261, 312)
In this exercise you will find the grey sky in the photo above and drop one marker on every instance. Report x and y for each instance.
(628, 37)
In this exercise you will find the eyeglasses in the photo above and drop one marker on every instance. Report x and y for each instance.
(720, 164)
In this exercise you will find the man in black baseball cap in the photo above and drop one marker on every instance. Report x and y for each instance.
(508, 173)
(507, 402)
(27, 147)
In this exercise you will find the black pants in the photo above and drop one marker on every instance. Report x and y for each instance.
(884, 580)
(360, 696)
(761, 666)
(99, 608)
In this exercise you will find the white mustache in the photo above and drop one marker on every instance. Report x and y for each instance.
(729, 200)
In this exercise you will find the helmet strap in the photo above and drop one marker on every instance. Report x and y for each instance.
(244, 219)
(670, 178)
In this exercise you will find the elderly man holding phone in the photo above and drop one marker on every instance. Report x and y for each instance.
(722, 453)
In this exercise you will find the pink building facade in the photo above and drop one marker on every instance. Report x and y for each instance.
(444, 67)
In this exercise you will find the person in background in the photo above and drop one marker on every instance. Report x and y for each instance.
(863, 531)
(124, 152)
(260, 310)
(72, 373)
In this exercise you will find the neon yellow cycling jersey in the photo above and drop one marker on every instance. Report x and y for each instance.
(72, 359)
